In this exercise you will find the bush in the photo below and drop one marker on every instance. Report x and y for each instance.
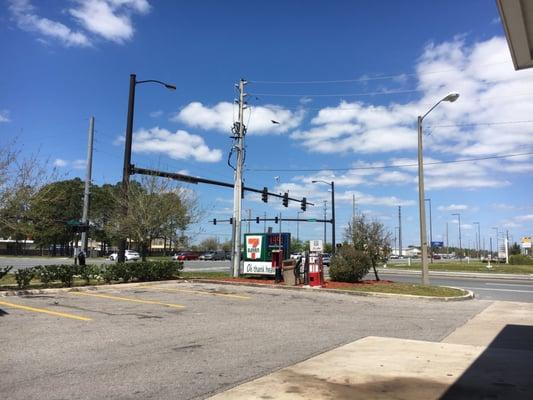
(142, 271)
(520, 260)
(24, 277)
(4, 271)
(349, 265)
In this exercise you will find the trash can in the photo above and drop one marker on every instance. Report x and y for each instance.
(289, 275)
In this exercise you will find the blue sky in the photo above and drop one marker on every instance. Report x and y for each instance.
(65, 61)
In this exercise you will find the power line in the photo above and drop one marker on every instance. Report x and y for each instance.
(391, 165)
(368, 78)
(380, 93)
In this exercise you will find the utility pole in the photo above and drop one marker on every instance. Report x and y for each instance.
(86, 192)
(249, 218)
(460, 244)
(400, 231)
(239, 132)
(478, 240)
(447, 243)
(265, 223)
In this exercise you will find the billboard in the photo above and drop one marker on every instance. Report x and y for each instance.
(525, 242)
(258, 251)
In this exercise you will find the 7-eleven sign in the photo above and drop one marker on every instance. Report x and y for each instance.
(254, 244)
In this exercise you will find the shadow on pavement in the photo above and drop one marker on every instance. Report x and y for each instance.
(503, 371)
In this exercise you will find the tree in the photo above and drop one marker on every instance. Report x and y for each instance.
(514, 249)
(209, 244)
(371, 238)
(156, 208)
(226, 246)
(349, 264)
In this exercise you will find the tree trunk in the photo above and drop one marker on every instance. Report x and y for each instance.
(375, 271)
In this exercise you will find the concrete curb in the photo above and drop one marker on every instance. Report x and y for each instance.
(469, 295)
(451, 274)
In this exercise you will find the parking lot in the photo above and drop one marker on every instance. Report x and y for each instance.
(189, 340)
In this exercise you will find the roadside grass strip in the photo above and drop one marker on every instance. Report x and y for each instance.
(229, 295)
(130, 299)
(45, 311)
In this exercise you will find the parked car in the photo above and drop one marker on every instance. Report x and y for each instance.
(213, 256)
(185, 255)
(129, 255)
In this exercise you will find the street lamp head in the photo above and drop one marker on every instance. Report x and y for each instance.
(451, 97)
(169, 86)
(314, 181)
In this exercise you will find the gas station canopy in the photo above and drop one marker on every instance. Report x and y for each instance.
(517, 20)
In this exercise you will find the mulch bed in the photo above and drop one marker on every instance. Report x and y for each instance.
(328, 284)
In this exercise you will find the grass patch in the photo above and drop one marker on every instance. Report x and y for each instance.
(468, 267)
(407, 288)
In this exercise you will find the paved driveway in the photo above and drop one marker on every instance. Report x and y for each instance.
(188, 341)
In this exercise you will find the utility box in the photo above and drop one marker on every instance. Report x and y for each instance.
(289, 272)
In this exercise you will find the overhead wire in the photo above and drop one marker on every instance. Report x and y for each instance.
(388, 166)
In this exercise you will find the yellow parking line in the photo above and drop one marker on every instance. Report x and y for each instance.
(45, 311)
(234, 296)
(108, 296)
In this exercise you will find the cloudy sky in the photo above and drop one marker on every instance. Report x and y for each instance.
(345, 80)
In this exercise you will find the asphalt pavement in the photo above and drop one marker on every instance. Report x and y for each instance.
(189, 341)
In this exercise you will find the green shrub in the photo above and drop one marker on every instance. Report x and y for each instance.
(90, 272)
(4, 271)
(24, 277)
(349, 265)
(65, 274)
(520, 260)
(46, 273)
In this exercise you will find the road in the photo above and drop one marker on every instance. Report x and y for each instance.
(484, 288)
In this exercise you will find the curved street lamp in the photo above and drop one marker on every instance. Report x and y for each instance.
(421, 195)
(127, 149)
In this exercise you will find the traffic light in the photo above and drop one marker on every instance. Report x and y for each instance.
(214, 221)
(304, 204)
(275, 220)
(264, 195)
(286, 200)
(256, 220)
(231, 221)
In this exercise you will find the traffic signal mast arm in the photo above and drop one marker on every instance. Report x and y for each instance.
(275, 219)
(196, 180)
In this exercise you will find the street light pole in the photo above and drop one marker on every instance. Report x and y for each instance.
(325, 214)
(497, 243)
(126, 170)
(421, 194)
(460, 244)
(478, 240)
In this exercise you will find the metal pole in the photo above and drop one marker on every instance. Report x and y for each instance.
(298, 226)
(497, 243)
(86, 192)
(447, 242)
(265, 223)
(127, 162)
(249, 218)
(460, 243)
(325, 214)
(400, 248)
(333, 217)
(237, 192)
(422, 207)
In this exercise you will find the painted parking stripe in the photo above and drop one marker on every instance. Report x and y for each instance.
(233, 296)
(131, 299)
(45, 311)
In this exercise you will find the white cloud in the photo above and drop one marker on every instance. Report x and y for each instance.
(220, 117)
(24, 14)
(58, 162)
(156, 114)
(74, 164)
(178, 145)
(453, 207)
(4, 116)
(110, 19)
(524, 218)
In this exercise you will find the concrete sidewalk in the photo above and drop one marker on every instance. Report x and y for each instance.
(491, 356)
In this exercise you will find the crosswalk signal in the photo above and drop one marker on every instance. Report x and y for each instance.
(286, 200)
(231, 221)
(275, 220)
(304, 204)
(264, 195)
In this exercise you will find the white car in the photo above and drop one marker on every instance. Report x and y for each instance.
(130, 255)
